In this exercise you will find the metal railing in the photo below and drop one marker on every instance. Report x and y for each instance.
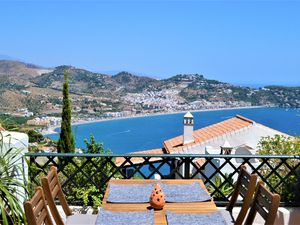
(82, 172)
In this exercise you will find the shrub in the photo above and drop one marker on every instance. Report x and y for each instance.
(282, 145)
(11, 211)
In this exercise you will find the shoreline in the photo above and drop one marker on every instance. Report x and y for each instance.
(51, 130)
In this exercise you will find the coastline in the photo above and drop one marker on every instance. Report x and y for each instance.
(51, 129)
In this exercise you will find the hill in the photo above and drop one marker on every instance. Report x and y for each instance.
(39, 90)
(16, 68)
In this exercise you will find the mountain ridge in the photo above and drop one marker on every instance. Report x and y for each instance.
(39, 90)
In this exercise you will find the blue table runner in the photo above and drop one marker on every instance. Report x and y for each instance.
(140, 193)
(185, 193)
(106, 217)
(195, 219)
(131, 193)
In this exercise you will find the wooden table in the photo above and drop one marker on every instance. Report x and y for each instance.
(159, 215)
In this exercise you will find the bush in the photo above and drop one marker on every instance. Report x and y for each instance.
(92, 189)
(282, 145)
(223, 186)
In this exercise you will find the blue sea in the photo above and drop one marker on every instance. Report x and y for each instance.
(143, 133)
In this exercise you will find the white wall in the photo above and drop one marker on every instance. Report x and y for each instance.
(17, 142)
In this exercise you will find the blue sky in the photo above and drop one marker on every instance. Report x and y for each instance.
(248, 42)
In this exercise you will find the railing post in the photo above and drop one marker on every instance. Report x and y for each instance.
(187, 167)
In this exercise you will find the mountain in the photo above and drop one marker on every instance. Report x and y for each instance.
(16, 68)
(39, 90)
(83, 81)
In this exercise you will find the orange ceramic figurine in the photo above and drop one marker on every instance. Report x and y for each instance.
(157, 198)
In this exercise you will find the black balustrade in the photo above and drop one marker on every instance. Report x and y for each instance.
(281, 174)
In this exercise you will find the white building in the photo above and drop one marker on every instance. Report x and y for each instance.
(236, 136)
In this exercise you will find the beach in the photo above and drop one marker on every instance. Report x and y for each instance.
(52, 129)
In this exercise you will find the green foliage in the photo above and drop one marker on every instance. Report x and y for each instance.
(94, 147)
(223, 186)
(11, 211)
(281, 145)
(66, 141)
(92, 177)
(34, 136)
(12, 123)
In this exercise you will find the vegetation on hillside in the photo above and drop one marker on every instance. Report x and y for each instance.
(91, 90)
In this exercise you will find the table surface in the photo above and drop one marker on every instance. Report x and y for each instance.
(160, 215)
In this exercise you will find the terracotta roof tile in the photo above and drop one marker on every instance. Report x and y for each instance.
(199, 162)
(204, 134)
(138, 160)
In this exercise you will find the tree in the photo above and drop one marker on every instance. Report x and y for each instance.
(279, 145)
(66, 141)
(94, 174)
(287, 169)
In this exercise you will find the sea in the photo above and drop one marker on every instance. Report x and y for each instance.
(149, 132)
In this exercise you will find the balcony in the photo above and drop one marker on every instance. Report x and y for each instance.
(78, 172)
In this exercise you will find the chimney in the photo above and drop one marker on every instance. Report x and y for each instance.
(188, 128)
(226, 148)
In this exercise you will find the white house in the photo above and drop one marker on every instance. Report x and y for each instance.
(17, 143)
(237, 136)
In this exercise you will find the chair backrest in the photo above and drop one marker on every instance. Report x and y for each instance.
(36, 210)
(245, 186)
(265, 203)
(53, 191)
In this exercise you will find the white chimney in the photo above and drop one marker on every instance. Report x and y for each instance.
(188, 128)
(226, 148)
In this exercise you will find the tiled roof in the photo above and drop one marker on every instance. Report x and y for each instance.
(204, 134)
(138, 160)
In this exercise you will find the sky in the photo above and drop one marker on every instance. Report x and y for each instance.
(242, 42)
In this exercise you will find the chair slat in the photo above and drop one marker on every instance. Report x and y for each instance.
(53, 182)
(266, 193)
(245, 181)
(245, 186)
(51, 174)
(42, 217)
(243, 190)
(38, 208)
(265, 203)
(261, 211)
(53, 191)
(36, 198)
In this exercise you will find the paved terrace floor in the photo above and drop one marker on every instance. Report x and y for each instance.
(285, 215)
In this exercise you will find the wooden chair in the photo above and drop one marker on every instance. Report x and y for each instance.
(53, 191)
(36, 210)
(265, 203)
(245, 186)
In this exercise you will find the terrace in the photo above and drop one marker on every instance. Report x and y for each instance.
(83, 171)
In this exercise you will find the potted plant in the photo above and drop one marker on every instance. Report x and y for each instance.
(11, 186)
